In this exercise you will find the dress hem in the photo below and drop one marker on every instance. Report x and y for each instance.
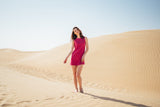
(77, 64)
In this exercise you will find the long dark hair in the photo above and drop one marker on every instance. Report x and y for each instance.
(74, 36)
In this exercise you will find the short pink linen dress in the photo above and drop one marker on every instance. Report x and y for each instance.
(78, 52)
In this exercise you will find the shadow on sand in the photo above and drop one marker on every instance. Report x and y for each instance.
(116, 100)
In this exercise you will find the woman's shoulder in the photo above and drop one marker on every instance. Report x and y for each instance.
(86, 39)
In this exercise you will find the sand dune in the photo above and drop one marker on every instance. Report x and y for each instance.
(120, 70)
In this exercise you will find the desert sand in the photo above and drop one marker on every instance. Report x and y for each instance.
(121, 70)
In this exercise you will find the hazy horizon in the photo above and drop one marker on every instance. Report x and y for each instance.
(36, 25)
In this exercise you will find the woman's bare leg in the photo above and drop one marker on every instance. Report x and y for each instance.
(74, 76)
(78, 74)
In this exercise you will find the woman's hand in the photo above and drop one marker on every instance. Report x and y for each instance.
(65, 60)
(83, 57)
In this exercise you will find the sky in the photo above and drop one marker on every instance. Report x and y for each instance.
(35, 25)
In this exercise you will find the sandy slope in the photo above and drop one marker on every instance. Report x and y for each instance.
(21, 90)
(120, 70)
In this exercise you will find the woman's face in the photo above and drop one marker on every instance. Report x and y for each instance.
(76, 31)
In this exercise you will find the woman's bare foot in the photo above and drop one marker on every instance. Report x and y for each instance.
(76, 90)
(81, 90)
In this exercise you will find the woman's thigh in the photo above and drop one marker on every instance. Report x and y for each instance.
(79, 69)
(74, 68)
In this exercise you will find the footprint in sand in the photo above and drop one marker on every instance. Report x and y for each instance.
(23, 102)
(7, 105)
(49, 99)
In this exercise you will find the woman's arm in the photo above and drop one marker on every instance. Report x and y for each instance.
(86, 50)
(72, 47)
(87, 46)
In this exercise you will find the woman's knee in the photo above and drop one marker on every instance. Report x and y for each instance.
(74, 75)
(78, 75)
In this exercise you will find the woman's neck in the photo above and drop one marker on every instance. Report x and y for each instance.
(78, 36)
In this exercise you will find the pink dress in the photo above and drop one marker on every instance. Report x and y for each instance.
(78, 52)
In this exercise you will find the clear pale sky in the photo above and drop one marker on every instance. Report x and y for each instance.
(33, 25)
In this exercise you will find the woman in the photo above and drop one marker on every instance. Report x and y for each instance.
(79, 43)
